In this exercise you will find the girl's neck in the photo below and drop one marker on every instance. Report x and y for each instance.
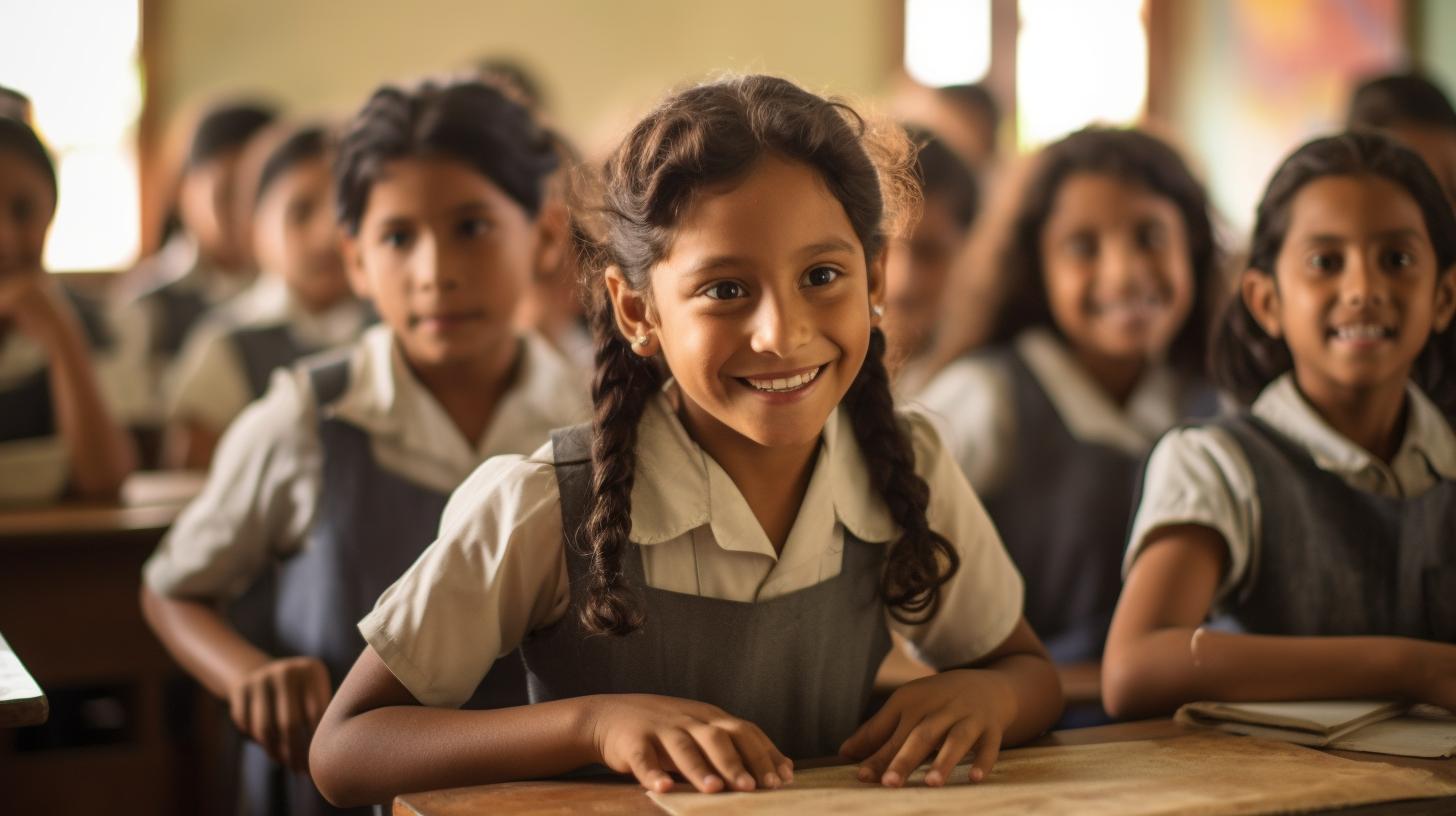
(469, 390)
(773, 480)
(1117, 377)
(1373, 418)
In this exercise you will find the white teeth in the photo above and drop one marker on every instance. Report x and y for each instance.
(784, 384)
(1364, 331)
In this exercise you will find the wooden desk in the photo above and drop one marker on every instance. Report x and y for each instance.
(21, 700)
(613, 798)
(122, 725)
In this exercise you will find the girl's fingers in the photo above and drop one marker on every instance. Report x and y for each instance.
(873, 768)
(690, 761)
(923, 739)
(320, 691)
(873, 733)
(648, 769)
(958, 742)
(763, 760)
(988, 749)
(298, 728)
(723, 753)
(260, 713)
(282, 714)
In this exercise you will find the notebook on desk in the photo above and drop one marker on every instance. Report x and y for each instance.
(1374, 726)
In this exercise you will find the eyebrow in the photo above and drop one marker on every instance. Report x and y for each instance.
(1332, 238)
(809, 250)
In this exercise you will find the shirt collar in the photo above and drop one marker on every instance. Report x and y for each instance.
(678, 487)
(1429, 443)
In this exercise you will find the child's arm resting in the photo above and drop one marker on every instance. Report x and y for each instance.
(376, 741)
(1158, 658)
(1008, 696)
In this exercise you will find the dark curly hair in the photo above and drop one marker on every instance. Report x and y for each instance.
(1245, 358)
(468, 121)
(698, 138)
(1127, 155)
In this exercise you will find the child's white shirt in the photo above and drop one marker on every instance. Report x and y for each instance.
(1200, 475)
(261, 495)
(971, 404)
(497, 572)
(32, 470)
(211, 385)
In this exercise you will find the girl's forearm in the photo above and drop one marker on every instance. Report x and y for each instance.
(100, 451)
(378, 754)
(1157, 672)
(1035, 693)
(200, 639)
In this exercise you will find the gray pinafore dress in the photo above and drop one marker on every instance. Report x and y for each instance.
(800, 666)
(370, 526)
(1333, 560)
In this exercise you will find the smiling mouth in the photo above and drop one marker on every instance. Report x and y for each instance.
(1361, 332)
(1130, 308)
(783, 385)
(446, 320)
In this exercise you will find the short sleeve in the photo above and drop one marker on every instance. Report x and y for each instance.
(970, 405)
(257, 504)
(1199, 476)
(496, 572)
(210, 387)
(982, 602)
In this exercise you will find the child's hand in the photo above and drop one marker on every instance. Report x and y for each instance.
(954, 711)
(28, 302)
(1433, 676)
(279, 704)
(648, 735)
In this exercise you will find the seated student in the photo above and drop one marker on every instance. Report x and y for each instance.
(300, 304)
(56, 431)
(200, 266)
(1099, 349)
(917, 267)
(1322, 520)
(1412, 109)
(334, 482)
(737, 531)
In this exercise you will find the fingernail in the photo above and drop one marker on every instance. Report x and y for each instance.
(891, 779)
(977, 774)
(865, 775)
(710, 779)
(786, 771)
(771, 780)
(744, 782)
(933, 778)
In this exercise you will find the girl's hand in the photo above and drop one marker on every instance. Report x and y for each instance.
(648, 736)
(954, 711)
(279, 704)
(1432, 673)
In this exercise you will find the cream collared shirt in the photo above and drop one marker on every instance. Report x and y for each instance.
(1202, 476)
(211, 384)
(497, 572)
(262, 492)
(31, 470)
(972, 406)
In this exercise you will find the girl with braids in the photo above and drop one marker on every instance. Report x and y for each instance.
(701, 581)
(325, 490)
(1323, 519)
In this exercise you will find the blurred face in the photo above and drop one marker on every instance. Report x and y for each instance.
(1116, 266)
(207, 204)
(1437, 146)
(295, 235)
(1356, 293)
(444, 254)
(761, 308)
(26, 206)
(916, 271)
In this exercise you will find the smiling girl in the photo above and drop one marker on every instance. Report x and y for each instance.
(703, 580)
(1322, 520)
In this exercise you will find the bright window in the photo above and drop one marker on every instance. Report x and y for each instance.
(77, 61)
(947, 42)
(1079, 63)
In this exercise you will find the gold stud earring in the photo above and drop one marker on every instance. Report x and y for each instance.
(877, 310)
(639, 341)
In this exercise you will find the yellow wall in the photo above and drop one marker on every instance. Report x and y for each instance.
(595, 57)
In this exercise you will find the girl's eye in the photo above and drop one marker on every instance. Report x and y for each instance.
(1150, 236)
(1082, 246)
(473, 227)
(397, 238)
(821, 276)
(1399, 259)
(725, 290)
(1327, 261)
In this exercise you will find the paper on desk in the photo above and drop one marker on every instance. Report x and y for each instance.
(1204, 774)
(15, 682)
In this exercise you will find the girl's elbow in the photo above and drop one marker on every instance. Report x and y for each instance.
(330, 772)
(1124, 695)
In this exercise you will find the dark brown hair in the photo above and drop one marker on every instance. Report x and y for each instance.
(1245, 358)
(1134, 157)
(698, 138)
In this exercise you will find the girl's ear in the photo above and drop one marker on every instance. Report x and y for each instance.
(551, 239)
(633, 313)
(1445, 300)
(1261, 297)
(876, 273)
(354, 264)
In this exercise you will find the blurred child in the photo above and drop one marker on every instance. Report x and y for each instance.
(325, 490)
(1321, 520)
(1412, 109)
(300, 304)
(1098, 351)
(56, 432)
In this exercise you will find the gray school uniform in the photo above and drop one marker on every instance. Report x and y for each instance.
(801, 666)
(1334, 560)
(370, 525)
(1063, 510)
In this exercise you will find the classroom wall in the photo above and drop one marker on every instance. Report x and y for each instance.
(595, 57)
(1436, 41)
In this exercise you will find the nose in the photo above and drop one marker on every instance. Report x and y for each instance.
(1126, 268)
(1362, 284)
(781, 325)
(432, 265)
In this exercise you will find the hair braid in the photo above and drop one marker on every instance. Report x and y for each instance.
(922, 560)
